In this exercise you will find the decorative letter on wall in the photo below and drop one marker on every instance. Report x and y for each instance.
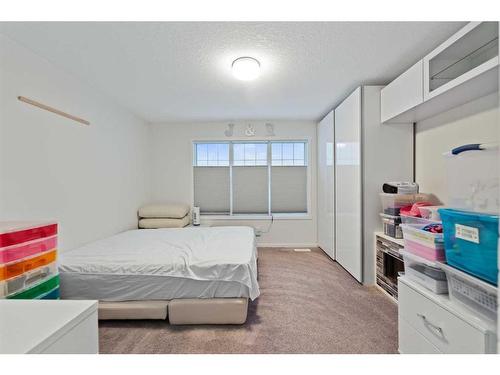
(250, 130)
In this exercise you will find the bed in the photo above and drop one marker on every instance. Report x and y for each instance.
(194, 275)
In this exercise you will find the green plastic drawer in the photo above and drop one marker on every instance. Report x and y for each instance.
(37, 290)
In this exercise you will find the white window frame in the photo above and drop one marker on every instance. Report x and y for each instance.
(277, 216)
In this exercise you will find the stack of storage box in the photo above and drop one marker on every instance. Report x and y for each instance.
(466, 253)
(28, 253)
(471, 243)
(424, 252)
(391, 206)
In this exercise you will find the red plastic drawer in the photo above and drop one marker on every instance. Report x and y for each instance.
(13, 237)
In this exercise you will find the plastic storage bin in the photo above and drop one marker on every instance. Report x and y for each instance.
(15, 233)
(417, 220)
(470, 242)
(13, 269)
(471, 292)
(476, 190)
(392, 203)
(422, 243)
(27, 280)
(392, 226)
(38, 290)
(425, 272)
(430, 212)
(26, 249)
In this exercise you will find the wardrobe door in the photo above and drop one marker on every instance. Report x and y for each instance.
(325, 185)
(348, 228)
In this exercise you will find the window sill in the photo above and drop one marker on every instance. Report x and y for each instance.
(306, 216)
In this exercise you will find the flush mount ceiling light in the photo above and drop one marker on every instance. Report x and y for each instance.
(246, 68)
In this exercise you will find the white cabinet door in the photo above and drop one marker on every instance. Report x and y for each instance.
(402, 94)
(325, 185)
(348, 235)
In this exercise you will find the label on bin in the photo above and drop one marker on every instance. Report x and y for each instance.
(466, 233)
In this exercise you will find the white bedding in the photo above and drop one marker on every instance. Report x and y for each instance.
(160, 263)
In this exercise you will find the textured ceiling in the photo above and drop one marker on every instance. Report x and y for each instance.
(166, 72)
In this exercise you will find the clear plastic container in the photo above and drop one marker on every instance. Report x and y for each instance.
(417, 220)
(392, 203)
(430, 212)
(422, 243)
(477, 190)
(425, 272)
(427, 252)
(415, 233)
(476, 295)
(392, 226)
(27, 280)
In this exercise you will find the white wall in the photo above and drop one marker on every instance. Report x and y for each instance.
(172, 172)
(474, 122)
(91, 179)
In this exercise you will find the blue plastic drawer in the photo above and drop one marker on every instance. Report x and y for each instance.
(470, 242)
(53, 294)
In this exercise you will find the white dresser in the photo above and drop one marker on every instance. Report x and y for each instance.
(48, 326)
(431, 323)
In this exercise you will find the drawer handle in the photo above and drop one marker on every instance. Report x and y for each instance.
(436, 328)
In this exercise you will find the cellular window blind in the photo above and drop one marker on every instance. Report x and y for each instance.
(212, 189)
(250, 190)
(289, 189)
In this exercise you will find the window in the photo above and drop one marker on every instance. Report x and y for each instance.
(250, 154)
(266, 177)
(288, 153)
(212, 154)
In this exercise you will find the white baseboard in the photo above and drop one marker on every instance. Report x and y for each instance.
(294, 245)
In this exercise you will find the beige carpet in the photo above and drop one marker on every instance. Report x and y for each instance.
(308, 304)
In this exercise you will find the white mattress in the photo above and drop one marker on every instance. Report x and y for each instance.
(166, 264)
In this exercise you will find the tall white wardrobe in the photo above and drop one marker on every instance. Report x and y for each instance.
(365, 154)
(325, 185)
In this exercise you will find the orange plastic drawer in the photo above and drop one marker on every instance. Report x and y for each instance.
(17, 268)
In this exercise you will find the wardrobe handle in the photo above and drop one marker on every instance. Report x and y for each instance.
(436, 328)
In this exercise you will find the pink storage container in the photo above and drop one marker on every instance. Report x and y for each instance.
(26, 249)
(427, 252)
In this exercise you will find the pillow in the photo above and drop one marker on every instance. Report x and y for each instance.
(164, 210)
(163, 223)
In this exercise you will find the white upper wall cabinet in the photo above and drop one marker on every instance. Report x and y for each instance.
(461, 69)
(402, 94)
(470, 52)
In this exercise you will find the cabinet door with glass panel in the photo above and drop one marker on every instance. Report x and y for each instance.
(470, 52)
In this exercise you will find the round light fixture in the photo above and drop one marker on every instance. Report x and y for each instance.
(246, 68)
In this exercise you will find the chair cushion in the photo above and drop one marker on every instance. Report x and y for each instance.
(164, 210)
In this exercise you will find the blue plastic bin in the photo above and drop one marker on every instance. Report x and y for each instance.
(470, 242)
